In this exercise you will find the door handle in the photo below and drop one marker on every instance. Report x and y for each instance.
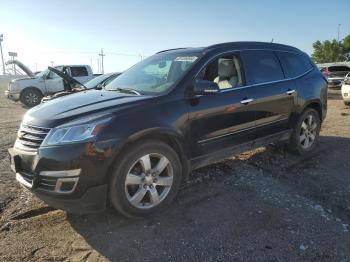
(289, 92)
(247, 101)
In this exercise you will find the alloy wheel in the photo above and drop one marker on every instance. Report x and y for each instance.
(308, 132)
(149, 181)
(31, 98)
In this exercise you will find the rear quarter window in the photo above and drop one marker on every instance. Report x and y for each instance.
(262, 66)
(294, 64)
(79, 71)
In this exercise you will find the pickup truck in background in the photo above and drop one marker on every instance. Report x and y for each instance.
(31, 90)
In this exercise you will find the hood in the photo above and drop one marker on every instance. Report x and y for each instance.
(70, 80)
(67, 108)
(22, 66)
(23, 78)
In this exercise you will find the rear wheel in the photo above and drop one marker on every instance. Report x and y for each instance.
(31, 97)
(146, 179)
(306, 132)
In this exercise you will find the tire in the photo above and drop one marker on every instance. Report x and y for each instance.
(305, 135)
(31, 97)
(134, 189)
(347, 103)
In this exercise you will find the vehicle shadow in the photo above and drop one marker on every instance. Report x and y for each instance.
(211, 216)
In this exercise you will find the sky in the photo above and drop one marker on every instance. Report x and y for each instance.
(74, 32)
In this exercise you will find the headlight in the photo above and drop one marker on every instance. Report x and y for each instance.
(13, 86)
(77, 133)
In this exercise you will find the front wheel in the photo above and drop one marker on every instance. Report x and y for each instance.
(347, 103)
(31, 97)
(146, 178)
(306, 132)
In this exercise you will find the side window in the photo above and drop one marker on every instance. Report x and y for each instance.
(262, 66)
(226, 71)
(77, 71)
(294, 64)
(52, 75)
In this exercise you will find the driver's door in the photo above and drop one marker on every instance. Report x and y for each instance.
(53, 83)
(223, 120)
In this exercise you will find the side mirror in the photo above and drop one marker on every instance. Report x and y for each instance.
(99, 86)
(204, 87)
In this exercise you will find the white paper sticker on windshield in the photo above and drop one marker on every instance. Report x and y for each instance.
(186, 58)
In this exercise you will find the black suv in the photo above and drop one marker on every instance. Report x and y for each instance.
(132, 143)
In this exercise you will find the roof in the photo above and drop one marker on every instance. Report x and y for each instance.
(254, 45)
(236, 45)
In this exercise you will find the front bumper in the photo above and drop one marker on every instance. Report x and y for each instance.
(69, 177)
(12, 96)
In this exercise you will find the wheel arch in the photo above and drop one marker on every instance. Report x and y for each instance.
(30, 87)
(314, 104)
(171, 137)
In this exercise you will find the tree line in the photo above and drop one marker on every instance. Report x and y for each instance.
(330, 51)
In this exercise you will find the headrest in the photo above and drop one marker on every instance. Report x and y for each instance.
(226, 68)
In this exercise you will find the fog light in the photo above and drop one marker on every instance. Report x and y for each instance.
(66, 185)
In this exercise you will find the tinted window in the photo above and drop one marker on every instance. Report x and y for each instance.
(294, 64)
(78, 71)
(262, 66)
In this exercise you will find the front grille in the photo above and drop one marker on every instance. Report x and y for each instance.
(29, 138)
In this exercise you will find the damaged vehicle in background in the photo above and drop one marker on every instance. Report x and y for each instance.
(72, 86)
(32, 89)
(335, 74)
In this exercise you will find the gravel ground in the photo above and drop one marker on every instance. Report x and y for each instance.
(262, 205)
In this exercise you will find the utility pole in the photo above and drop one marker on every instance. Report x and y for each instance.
(2, 55)
(338, 32)
(98, 65)
(102, 66)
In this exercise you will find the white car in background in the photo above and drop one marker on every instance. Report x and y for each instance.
(31, 90)
(345, 90)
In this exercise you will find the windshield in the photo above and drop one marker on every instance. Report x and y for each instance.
(49, 73)
(43, 73)
(155, 74)
(96, 81)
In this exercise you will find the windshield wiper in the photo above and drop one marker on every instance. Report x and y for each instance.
(127, 90)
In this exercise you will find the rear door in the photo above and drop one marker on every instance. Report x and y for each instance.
(275, 97)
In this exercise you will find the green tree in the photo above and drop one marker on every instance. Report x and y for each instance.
(346, 47)
(331, 51)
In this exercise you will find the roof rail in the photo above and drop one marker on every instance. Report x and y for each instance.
(251, 43)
